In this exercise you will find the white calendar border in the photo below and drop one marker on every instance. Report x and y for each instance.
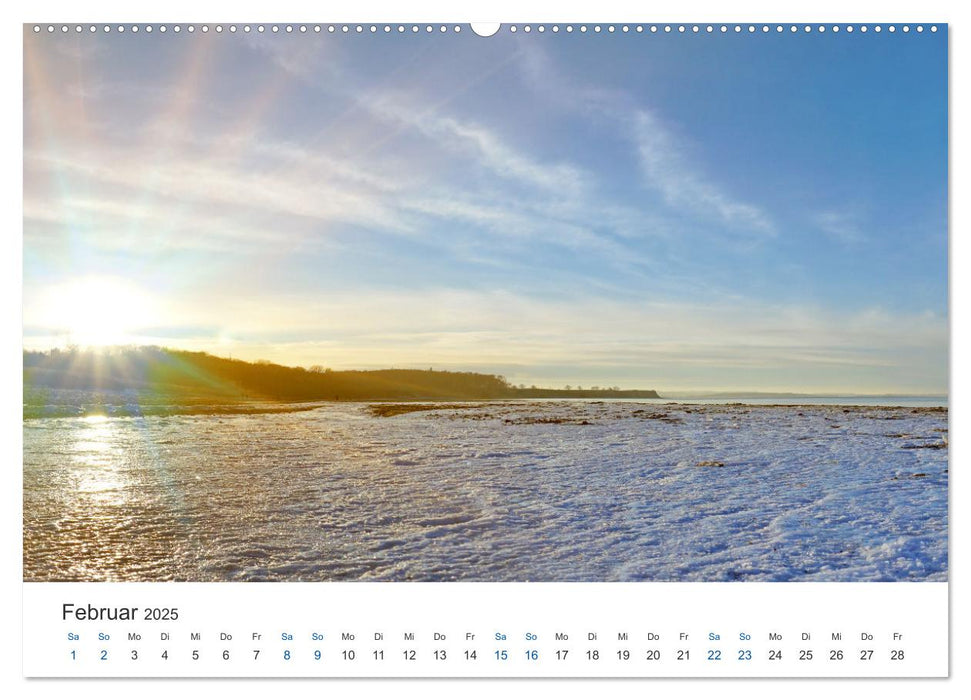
(433, 10)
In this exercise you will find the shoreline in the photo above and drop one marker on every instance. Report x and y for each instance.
(393, 407)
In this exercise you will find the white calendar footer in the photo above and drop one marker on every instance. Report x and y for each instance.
(485, 630)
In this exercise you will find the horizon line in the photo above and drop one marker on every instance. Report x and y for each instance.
(673, 393)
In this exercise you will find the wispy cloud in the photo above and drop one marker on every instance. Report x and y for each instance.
(485, 147)
(304, 57)
(844, 226)
(667, 170)
(662, 155)
(141, 187)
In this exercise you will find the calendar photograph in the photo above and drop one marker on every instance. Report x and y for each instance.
(443, 303)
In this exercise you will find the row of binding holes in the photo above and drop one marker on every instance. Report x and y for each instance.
(428, 28)
(710, 29)
(259, 28)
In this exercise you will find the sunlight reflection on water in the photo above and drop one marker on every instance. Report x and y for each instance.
(583, 491)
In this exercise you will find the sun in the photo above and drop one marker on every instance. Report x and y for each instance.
(99, 311)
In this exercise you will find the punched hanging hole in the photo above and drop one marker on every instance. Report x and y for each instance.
(485, 28)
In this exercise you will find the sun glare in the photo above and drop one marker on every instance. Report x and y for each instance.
(99, 311)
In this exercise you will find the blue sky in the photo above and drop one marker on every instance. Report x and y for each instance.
(681, 212)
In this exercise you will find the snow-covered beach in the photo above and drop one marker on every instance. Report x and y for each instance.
(500, 491)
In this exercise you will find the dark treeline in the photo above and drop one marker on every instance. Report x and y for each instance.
(180, 374)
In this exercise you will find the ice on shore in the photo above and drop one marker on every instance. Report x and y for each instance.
(505, 491)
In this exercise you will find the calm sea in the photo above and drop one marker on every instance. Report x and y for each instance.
(910, 401)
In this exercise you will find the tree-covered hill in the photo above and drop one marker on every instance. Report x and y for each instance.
(152, 374)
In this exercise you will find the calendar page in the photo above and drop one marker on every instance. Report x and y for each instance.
(534, 349)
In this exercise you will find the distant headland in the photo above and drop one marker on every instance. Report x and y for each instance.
(59, 381)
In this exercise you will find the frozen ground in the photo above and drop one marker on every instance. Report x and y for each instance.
(512, 491)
